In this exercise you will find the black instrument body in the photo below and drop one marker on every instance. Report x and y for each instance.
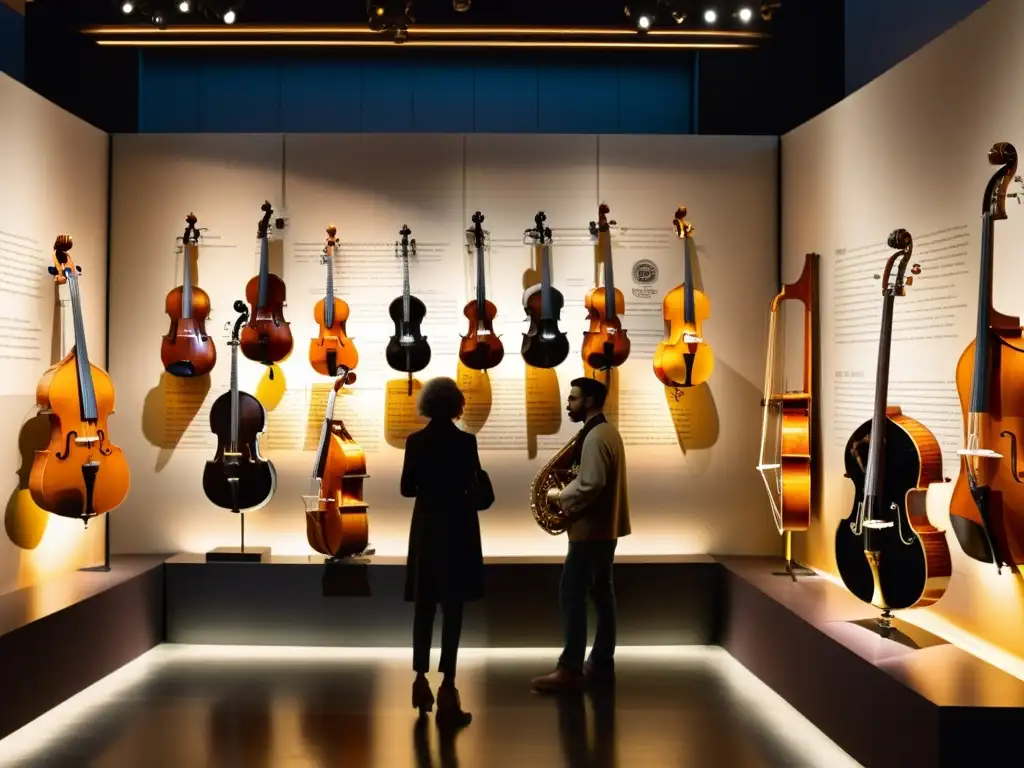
(407, 350)
(544, 345)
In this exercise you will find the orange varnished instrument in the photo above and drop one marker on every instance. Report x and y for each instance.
(986, 511)
(785, 461)
(480, 349)
(683, 359)
(605, 343)
(332, 349)
(187, 350)
(80, 474)
(267, 337)
(336, 519)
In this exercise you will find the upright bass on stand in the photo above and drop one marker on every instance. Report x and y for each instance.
(81, 473)
(986, 510)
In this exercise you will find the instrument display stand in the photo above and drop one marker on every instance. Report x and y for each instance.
(888, 627)
(793, 568)
(241, 553)
(370, 550)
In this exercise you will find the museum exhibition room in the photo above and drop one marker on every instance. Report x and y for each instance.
(498, 384)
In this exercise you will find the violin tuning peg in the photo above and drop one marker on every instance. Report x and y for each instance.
(78, 268)
(909, 281)
(52, 270)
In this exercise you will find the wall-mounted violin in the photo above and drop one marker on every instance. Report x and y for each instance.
(683, 359)
(544, 345)
(333, 349)
(480, 349)
(238, 478)
(187, 350)
(267, 337)
(605, 343)
(887, 552)
(986, 510)
(336, 520)
(407, 350)
(80, 474)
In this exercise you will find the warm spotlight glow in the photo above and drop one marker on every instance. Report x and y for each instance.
(229, 17)
(710, 16)
(745, 15)
(127, 8)
(644, 22)
(184, 6)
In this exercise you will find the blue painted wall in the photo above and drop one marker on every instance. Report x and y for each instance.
(180, 92)
(881, 33)
(12, 42)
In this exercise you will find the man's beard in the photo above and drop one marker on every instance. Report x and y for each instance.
(576, 415)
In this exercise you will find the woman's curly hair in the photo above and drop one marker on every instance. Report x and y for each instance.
(441, 398)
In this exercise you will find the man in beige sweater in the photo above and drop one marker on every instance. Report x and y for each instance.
(596, 506)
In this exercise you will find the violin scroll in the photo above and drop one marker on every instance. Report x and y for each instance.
(539, 234)
(243, 315)
(683, 228)
(264, 226)
(61, 260)
(901, 239)
(1005, 154)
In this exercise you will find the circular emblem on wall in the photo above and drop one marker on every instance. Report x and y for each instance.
(645, 272)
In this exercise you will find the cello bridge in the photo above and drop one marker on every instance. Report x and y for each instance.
(692, 338)
(86, 440)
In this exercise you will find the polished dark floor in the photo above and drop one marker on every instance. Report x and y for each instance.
(251, 707)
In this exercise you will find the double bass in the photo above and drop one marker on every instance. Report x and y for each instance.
(887, 552)
(986, 510)
(81, 473)
(336, 520)
(544, 345)
(238, 478)
(332, 349)
(605, 343)
(187, 350)
(684, 359)
(786, 437)
(266, 337)
(407, 350)
(480, 349)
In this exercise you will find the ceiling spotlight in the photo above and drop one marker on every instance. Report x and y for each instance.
(644, 23)
(230, 16)
(678, 16)
(127, 8)
(745, 15)
(184, 6)
(710, 16)
(159, 22)
(461, 5)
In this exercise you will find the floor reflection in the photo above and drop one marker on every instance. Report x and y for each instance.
(260, 707)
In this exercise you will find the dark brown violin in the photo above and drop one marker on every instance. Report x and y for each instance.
(332, 349)
(407, 350)
(986, 511)
(605, 343)
(267, 337)
(544, 344)
(187, 350)
(480, 349)
(238, 478)
(336, 520)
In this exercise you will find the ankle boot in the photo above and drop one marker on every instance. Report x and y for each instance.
(449, 708)
(422, 696)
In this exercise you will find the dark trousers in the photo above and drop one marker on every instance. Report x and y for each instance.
(423, 634)
(587, 572)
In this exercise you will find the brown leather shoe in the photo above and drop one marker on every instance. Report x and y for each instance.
(559, 681)
(598, 675)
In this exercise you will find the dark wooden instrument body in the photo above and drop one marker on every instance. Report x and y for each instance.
(605, 344)
(544, 345)
(256, 476)
(481, 351)
(267, 337)
(187, 350)
(332, 349)
(80, 474)
(413, 357)
(913, 575)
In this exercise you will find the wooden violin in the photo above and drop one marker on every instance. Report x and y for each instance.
(80, 474)
(407, 350)
(605, 343)
(238, 478)
(480, 349)
(683, 359)
(544, 345)
(887, 552)
(336, 521)
(986, 510)
(785, 461)
(333, 349)
(266, 337)
(187, 350)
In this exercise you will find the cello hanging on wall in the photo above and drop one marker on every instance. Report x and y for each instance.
(336, 514)
(684, 359)
(238, 478)
(887, 552)
(605, 343)
(986, 510)
(187, 350)
(332, 349)
(407, 350)
(544, 345)
(81, 473)
(786, 458)
(266, 337)
(481, 348)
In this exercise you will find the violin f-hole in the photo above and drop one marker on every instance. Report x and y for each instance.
(1014, 467)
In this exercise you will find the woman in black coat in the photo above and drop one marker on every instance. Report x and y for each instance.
(445, 561)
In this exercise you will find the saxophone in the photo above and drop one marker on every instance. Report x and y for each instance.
(557, 473)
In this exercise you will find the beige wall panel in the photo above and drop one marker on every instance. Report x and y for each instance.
(369, 186)
(55, 181)
(909, 151)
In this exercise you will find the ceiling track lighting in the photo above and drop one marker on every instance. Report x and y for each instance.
(646, 15)
(159, 11)
(392, 17)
